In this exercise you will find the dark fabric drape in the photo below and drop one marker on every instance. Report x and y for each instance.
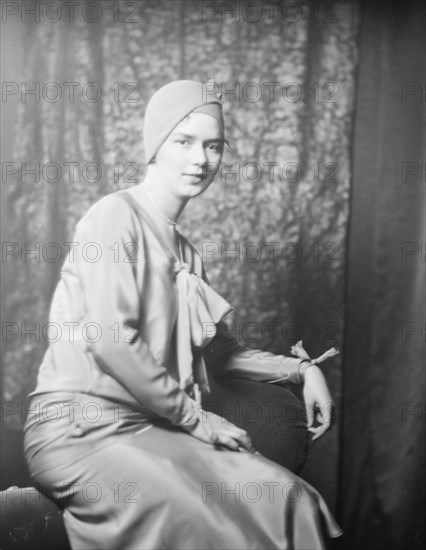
(382, 473)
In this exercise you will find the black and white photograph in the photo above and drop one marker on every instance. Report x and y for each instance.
(213, 274)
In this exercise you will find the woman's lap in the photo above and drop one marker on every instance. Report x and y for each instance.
(124, 486)
(128, 484)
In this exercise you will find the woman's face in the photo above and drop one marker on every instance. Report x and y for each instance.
(188, 160)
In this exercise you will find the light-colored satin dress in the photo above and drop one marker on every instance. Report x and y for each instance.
(104, 436)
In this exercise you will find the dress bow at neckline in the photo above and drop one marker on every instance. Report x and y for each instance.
(199, 309)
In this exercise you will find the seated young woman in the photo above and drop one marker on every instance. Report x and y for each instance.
(132, 455)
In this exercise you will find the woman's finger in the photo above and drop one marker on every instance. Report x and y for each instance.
(227, 441)
(241, 436)
(320, 432)
(310, 414)
(245, 442)
(328, 413)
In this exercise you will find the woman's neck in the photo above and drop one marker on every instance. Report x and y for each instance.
(166, 203)
(143, 195)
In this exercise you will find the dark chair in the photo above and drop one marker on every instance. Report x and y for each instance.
(29, 520)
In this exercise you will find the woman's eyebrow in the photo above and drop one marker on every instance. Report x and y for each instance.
(215, 141)
(191, 136)
(182, 135)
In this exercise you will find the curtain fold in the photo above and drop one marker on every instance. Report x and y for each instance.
(382, 467)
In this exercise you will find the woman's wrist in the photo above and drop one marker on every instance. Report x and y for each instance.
(304, 365)
(192, 417)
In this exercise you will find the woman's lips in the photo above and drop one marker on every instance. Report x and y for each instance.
(197, 176)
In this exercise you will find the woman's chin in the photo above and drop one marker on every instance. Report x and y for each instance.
(195, 187)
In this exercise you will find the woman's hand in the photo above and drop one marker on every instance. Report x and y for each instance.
(320, 407)
(216, 430)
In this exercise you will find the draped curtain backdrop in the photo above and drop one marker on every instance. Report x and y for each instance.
(382, 484)
(274, 228)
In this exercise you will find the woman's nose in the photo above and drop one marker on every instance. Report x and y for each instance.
(198, 154)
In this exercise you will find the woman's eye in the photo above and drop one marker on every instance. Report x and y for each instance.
(182, 141)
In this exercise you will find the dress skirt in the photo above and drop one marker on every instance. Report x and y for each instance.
(128, 481)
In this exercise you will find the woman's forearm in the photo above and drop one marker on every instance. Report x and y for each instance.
(226, 357)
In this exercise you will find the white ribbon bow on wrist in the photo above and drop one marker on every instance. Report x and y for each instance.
(299, 351)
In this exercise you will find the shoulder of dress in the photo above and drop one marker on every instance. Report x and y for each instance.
(109, 205)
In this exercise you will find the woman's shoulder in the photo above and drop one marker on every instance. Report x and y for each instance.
(111, 209)
(111, 202)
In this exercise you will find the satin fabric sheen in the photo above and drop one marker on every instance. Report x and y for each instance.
(121, 355)
(117, 320)
(128, 483)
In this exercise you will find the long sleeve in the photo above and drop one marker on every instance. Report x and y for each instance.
(226, 357)
(111, 288)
